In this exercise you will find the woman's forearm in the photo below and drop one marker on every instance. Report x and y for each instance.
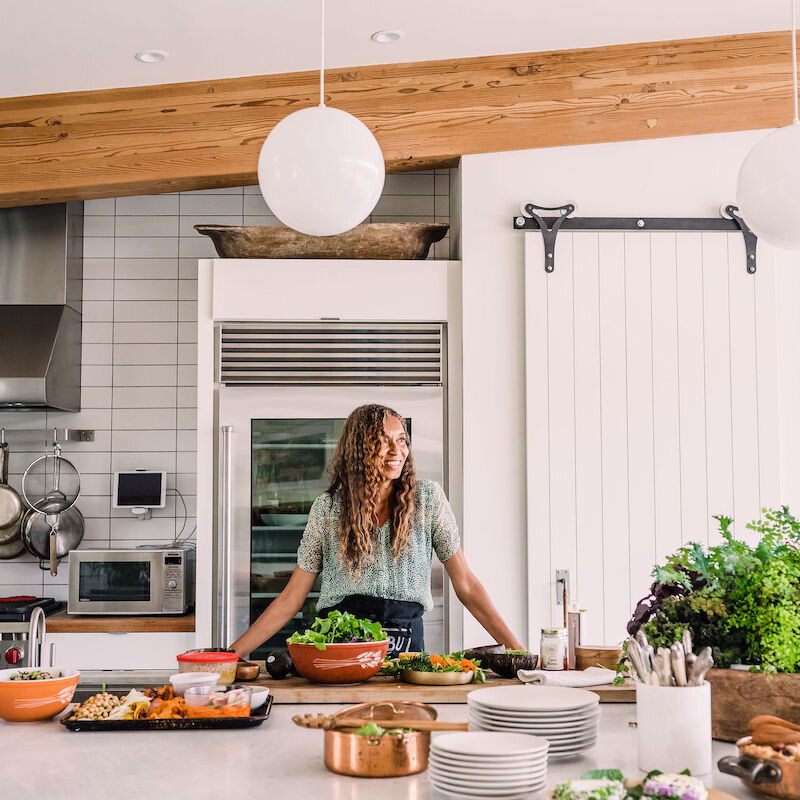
(479, 604)
(276, 615)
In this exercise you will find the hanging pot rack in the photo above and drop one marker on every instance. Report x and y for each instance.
(531, 219)
(52, 436)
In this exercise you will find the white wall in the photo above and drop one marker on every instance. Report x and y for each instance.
(689, 176)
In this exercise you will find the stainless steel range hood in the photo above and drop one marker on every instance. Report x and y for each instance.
(41, 284)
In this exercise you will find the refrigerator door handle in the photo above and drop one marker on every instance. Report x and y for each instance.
(225, 601)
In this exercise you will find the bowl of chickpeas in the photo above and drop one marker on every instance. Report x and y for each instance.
(32, 695)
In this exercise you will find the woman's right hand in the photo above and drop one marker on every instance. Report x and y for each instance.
(277, 614)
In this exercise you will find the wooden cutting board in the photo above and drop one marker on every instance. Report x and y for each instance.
(300, 690)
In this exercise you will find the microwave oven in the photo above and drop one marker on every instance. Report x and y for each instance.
(131, 581)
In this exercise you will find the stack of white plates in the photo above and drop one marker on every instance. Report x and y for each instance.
(507, 765)
(567, 718)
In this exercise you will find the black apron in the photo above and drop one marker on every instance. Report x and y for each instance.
(401, 619)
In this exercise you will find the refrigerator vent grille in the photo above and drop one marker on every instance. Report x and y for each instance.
(330, 353)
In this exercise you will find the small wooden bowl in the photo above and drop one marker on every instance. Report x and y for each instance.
(246, 671)
(484, 652)
(597, 656)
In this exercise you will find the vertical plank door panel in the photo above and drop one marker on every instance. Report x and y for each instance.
(590, 575)
(666, 402)
(639, 355)
(691, 383)
(561, 386)
(716, 315)
(614, 433)
(744, 393)
(537, 439)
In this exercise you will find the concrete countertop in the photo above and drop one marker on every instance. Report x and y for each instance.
(277, 759)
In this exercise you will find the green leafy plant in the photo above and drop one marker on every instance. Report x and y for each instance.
(741, 600)
(338, 628)
(423, 662)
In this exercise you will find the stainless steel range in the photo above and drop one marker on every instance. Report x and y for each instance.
(23, 629)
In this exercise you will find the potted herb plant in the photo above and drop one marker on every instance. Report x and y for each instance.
(744, 602)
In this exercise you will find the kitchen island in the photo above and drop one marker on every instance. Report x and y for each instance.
(277, 759)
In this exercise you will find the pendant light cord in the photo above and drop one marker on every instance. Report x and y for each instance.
(322, 58)
(794, 60)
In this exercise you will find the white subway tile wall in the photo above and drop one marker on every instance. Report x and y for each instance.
(139, 373)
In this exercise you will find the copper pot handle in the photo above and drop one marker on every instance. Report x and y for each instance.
(752, 769)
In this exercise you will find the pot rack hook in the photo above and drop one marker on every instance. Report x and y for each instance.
(548, 234)
(731, 211)
(2, 436)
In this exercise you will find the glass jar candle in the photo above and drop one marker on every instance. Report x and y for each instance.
(554, 648)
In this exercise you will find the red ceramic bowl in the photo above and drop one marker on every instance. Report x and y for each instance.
(348, 662)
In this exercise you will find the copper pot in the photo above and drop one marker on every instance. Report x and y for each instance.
(380, 756)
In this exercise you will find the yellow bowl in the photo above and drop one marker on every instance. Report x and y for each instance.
(32, 701)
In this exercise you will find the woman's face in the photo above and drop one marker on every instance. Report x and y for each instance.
(394, 449)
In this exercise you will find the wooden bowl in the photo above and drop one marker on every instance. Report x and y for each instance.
(597, 656)
(436, 678)
(484, 652)
(32, 701)
(348, 662)
(506, 665)
(245, 671)
(377, 240)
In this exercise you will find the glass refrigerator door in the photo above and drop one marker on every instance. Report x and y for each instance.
(289, 459)
(282, 440)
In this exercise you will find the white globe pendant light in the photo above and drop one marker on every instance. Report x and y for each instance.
(321, 170)
(768, 188)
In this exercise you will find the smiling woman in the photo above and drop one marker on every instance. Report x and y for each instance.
(371, 537)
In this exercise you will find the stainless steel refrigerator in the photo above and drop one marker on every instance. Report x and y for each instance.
(284, 391)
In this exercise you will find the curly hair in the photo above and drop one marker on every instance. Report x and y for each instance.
(355, 474)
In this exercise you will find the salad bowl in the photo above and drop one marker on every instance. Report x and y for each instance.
(341, 662)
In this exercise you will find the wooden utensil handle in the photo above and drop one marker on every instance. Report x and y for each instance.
(328, 723)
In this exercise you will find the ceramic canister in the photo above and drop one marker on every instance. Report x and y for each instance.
(674, 728)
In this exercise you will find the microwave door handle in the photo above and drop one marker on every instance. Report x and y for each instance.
(225, 597)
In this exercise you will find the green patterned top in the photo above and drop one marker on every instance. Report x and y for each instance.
(409, 578)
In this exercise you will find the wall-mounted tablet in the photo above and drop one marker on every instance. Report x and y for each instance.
(140, 488)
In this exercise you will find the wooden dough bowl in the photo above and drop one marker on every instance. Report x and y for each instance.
(378, 240)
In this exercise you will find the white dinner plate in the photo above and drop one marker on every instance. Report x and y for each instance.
(533, 698)
(513, 727)
(490, 769)
(488, 782)
(489, 745)
(476, 713)
(493, 762)
(481, 791)
(462, 775)
(587, 712)
(554, 742)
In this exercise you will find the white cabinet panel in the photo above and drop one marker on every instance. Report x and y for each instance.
(93, 651)
(304, 289)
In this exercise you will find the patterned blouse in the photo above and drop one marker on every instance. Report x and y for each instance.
(409, 578)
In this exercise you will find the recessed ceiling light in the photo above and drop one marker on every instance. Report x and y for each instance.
(152, 56)
(387, 37)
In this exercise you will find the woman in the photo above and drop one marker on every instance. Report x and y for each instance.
(371, 535)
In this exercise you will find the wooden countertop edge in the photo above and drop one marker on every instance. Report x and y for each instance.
(298, 690)
(71, 623)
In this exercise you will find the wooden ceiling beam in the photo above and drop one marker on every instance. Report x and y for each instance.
(207, 134)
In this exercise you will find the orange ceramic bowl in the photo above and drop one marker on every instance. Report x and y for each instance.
(348, 662)
(32, 701)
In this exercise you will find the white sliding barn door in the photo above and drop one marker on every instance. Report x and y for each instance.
(651, 379)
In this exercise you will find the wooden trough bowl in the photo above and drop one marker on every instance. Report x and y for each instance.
(377, 240)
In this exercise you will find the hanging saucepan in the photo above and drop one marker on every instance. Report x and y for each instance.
(11, 507)
(11, 510)
(51, 543)
(51, 485)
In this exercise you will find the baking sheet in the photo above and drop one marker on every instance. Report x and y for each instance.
(256, 717)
